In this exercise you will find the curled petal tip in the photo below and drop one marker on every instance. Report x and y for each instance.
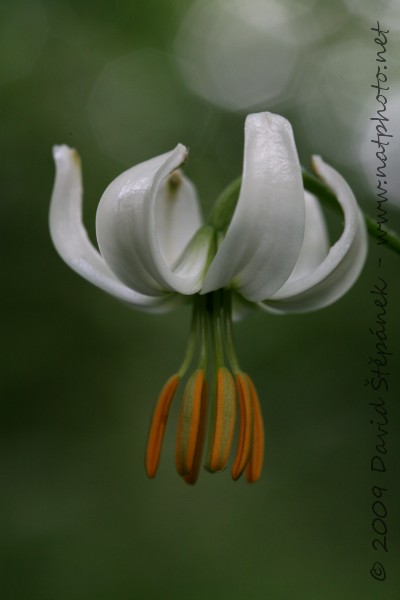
(183, 151)
(60, 149)
(269, 118)
(62, 152)
(316, 162)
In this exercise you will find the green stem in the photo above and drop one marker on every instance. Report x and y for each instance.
(203, 325)
(191, 343)
(216, 331)
(225, 205)
(230, 345)
(385, 236)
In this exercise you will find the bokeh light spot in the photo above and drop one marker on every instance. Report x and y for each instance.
(138, 106)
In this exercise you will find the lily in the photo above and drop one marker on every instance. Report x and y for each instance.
(270, 250)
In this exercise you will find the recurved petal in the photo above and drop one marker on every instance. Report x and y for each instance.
(178, 216)
(340, 268)
(145, 221)
(315, 246)
(265, 235)
(70, 237)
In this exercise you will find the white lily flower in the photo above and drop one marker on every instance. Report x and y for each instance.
(155, 250)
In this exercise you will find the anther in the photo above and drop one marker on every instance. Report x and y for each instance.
(189, 423)
(191, 478)
(223, 421)
(245, 435)
(254, 466)
(158, 425)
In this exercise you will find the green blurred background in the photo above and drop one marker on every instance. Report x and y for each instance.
(124, 81)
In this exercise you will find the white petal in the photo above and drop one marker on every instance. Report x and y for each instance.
(264, 238)
(241, 308)
(178, 216)
(145, 219)
(315, 245)
(70, 237)
(343, 264)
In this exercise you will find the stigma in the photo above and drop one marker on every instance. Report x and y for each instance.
(219, 402)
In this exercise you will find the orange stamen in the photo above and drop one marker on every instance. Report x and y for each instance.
(254, 466)
(191, 478)
(223, 421)
(188, 423)
(158, 425)
(245, 436)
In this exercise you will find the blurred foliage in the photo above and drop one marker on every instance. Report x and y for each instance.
(79, 519)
